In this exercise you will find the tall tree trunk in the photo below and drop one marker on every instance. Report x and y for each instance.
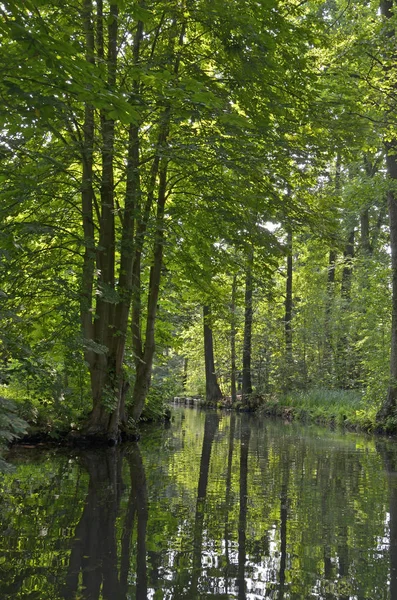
(389, 406)
(364, 232)
(247, 344)
(144, 350)
(212, 390)
(233, 373)
(105, 372)
(185, 373)
(348, 255)
(87, 199)
(328, 312)
(288, 309)
(144, 365)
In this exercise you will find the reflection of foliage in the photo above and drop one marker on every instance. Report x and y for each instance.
(330, 489)
(11, 426)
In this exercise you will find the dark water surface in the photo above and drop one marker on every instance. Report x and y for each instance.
(214, 506)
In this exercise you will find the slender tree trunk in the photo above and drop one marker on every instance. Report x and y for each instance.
(364, 232)
(105, 372)
(328, 312)
(144, 351)
(212, 390)
(347, 272)
(389, 406)
(87, 198)
(233, 374)
(185, 373)
(288, 309)
(247, 345)
(144, 366)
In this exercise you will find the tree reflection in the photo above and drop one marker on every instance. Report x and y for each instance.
(228, 497)
(210, 429)
(242, 522)
(283, 526)
(93, 570)
(389, 456)
(137, 507)
(94, 551)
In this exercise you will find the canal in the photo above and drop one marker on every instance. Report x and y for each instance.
(214, 505)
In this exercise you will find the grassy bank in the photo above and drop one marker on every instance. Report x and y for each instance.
(328, 407)
(345, 408)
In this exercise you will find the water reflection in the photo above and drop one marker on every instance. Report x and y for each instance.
(220, 506)
(93, 570)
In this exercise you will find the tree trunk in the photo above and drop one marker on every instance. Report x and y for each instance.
(347, 272)
(144, 364)
(388, 408)
(87, 199)
(212, 390)
(113, 305)
(288, 309)
(364, 231)
(233, 373)
(247, 345)
(144, 350)
(328, 312)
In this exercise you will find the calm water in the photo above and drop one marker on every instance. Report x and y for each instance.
(213, 506)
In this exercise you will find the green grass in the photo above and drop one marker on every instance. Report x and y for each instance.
(341, 407)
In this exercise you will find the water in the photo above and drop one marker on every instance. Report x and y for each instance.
(220, 506)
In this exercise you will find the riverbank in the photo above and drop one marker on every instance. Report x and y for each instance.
(345, 408)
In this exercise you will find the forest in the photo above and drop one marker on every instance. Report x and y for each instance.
(198, 198)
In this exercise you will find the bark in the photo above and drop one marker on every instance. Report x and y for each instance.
(233, 374)
(185, 373)
(347, 272)
(212, 389)
(247, 344)
(144, 364)
(108, 386)
(388, 408)
(105, 370)
(87, 197)
(364, 230)
(328, 308)
(144, 351)
(288, 302)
